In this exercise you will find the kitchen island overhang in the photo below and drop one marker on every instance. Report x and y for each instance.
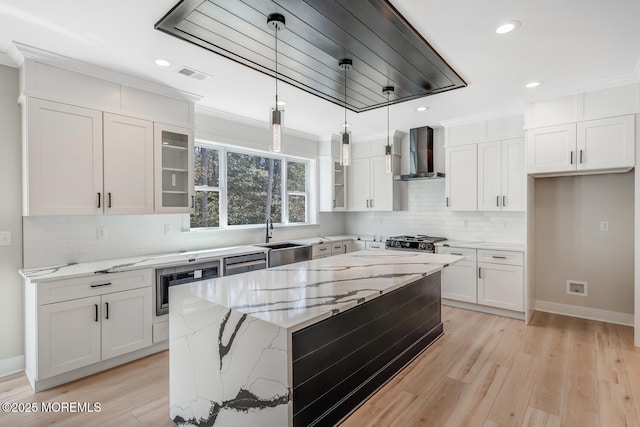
(301, 343)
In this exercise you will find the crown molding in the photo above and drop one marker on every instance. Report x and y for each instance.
(21, 52)
(5, 59)
(607, 83)
(490, 115)
(260, 124)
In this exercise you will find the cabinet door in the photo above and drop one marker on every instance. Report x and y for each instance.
(500, 286)
(514, 177)
(459, 282)
(461, 182)
(339, 186)
(551, 149)
(68, 336)
(381, 185)
(128, 165)
(347, 246)
(64, 149)
(490, 176)
(174, 182)
(126, 322)
(358, 194)
(606, 143)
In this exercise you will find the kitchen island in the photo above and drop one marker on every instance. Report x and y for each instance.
(301, 344)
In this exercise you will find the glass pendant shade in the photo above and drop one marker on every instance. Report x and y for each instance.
(276, 125)
(345, 158)
(387, 158)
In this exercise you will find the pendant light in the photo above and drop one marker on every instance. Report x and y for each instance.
(387, 90)
(277, 21)
(345, 158)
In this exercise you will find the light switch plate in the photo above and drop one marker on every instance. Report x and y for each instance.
(102, 233)
(5, 238)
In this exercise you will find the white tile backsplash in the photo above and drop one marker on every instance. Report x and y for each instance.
(65, 239)
(426, 214)
(54, 240)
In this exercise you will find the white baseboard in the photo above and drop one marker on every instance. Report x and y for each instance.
(585, 312)
(11, 366)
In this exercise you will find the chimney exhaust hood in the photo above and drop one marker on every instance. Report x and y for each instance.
(421, 156)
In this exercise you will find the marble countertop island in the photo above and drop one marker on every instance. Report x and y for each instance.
(239, 344)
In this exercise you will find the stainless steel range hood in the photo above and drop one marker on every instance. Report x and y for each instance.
(421, 156)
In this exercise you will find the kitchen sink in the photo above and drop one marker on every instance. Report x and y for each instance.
(287, 253)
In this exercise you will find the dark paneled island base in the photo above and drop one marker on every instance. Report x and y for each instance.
(341, 361)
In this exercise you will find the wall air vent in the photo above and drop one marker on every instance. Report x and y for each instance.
(193, 73)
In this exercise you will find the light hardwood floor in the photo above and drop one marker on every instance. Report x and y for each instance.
(485, 371)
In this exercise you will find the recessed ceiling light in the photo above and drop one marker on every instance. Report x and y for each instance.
(162, 63)
(532, 84)
(422, 108)
(281, 103)
(507, 27)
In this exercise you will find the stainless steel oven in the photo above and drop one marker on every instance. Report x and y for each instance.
(172, 276)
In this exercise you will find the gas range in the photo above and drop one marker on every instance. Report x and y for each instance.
(418, 242)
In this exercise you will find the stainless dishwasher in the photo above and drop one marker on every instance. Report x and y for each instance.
(243, 263)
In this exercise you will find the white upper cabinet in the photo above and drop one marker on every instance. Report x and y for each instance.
(128, 165)
(174, 182)
(593, 146)
(461, 170)
(333, 178)
(490, 176)
(63, 163)
(606, 143)
(370, 187)
(514, 178)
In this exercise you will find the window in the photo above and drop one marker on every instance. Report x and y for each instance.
(207, 183)
(235, 187)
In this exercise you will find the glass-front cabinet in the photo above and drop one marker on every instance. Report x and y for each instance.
(173, 169)
(339, 195)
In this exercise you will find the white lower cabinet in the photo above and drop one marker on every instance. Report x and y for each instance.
(501, 280)
(79, 322)
(320, 250)
(459, 279)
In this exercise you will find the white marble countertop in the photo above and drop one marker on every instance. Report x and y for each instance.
(496, 246)
(298, 295)
(66, 271)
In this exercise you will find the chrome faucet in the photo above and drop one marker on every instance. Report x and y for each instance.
(268, 236)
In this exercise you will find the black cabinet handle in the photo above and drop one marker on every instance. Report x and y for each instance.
(446, 202)
(456, 253)
(571, 157)
(580, 156)
(504, 200)
(499, 257)
(109, 205)
(193, 202)
(479, 272)
(101, 284)
(497, 200)
(107, 310)
(99, 201)
(96, 307)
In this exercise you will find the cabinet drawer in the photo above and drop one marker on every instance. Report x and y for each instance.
(64, 290)
(336, 248)
(375, 246)
(320, 249)
(500, 257)
(469, 254)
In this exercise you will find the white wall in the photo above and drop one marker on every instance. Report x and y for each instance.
(11, 315)
(426, 214)
(571, 246)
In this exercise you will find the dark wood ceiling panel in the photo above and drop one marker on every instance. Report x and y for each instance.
(384, 48)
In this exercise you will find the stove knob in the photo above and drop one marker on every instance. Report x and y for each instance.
(407, 244)
(422, 246)
(397, 244)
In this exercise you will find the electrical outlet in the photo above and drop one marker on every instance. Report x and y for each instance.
(5, 238)
(102, 233)
(501, 223)
(465, 223)
(604, 225)
(167, 229)
(576, 287)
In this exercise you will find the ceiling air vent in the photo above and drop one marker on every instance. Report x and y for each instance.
(193, 73)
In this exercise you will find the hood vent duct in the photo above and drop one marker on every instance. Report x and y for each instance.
(421, 155)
